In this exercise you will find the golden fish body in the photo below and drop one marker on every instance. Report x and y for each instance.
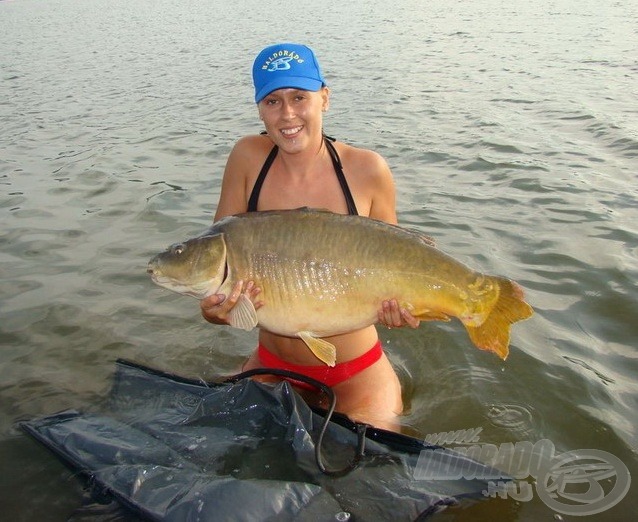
(324, 274)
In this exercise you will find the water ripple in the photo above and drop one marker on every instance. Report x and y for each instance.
(518, 419)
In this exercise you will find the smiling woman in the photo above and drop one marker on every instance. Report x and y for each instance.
(295, 165)
(286, 113)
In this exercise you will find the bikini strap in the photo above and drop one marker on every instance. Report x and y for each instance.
(254, 195)
(336, 161)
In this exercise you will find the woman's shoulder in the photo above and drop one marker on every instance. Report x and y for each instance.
(359, 158)
(370, 181)
(249, 151)
(364, 165)
(253, 143)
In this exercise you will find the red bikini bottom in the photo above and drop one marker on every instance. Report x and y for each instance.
(329, 375)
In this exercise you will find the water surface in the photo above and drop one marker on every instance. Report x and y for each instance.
(511, 131)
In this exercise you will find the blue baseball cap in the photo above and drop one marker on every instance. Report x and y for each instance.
(286, 65)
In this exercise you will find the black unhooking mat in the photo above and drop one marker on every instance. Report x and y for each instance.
(172, 448)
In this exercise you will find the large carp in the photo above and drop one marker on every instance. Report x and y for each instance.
(324, 274)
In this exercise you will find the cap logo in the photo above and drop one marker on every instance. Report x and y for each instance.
(280, 61)
(280, 64)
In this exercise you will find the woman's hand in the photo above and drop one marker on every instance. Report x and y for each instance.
(216, 308)
(391, 315)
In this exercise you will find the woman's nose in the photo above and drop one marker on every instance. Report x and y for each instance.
(287, 110)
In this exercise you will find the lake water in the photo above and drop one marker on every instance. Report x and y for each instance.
(512, 132)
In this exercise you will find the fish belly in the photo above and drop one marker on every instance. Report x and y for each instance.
(323, 300)
(328, 274)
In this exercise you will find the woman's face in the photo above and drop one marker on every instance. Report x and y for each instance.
(293, 117)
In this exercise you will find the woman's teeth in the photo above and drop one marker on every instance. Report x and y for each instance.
(290, 132)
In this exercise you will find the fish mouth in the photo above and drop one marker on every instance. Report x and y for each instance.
(151, 271)
(157, 277)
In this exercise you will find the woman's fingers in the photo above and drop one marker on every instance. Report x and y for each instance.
(216, 308)
(393, 316)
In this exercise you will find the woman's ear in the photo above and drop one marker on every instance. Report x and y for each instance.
(325, 96)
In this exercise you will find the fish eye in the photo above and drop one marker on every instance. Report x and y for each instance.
(177, 249)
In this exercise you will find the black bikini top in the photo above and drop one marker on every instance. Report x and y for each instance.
(336, 161)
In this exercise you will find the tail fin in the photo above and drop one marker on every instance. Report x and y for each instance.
(494, 333)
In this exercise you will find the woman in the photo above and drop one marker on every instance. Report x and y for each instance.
(295, 165)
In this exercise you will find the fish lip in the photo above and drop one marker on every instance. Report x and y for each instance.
(158, 279)
(152, 268)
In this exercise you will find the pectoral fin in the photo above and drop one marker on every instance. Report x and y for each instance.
(322, 349)
(243, 315)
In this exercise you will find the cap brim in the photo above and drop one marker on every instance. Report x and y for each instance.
(289, 82)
